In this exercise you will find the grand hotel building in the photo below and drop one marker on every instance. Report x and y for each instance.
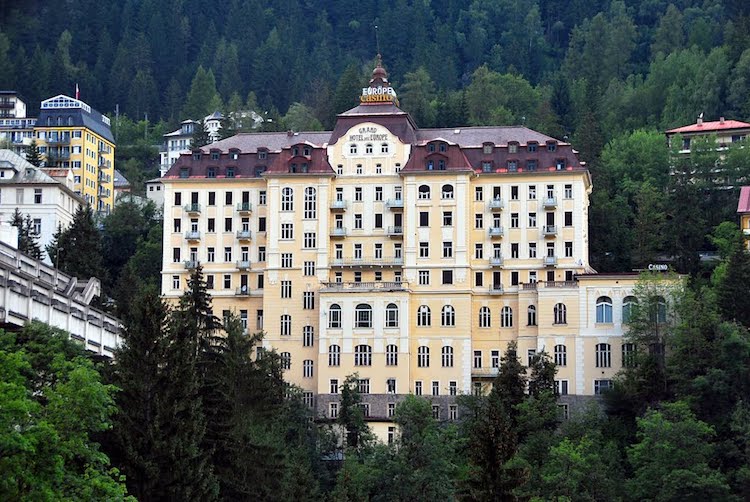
(409, 256)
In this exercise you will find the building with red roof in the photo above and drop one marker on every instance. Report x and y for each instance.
(743, 210)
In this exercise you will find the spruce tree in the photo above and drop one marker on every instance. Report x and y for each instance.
(77, 250)
(27, 238)
(200, 136)
(732, 295)
(33, 156)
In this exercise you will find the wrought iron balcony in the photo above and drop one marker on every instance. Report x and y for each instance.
(496, 261)
(549, 230)
(192, 208)
(338, 232)
(191, 264)
(550, 261)
(243, 265)
(193, 235)
(496, 204)
(244, 235)
(550, 202)
(338, 205)
(496, 231)
(244, 207)
(395, 231)
(395, 203)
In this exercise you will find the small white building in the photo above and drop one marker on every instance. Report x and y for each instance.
(16, 129)
(155, 192)
(46, 196)
(178, 142)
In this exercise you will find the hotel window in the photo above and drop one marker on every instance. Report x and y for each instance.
(286, 289)
(358, 194)
(485, 319)
(308, 336)
(359, 168)
(287, 199)
(424, 277)
(334, 357)
(506, 317)
(513, 220)
(307, 368)
(568, 249)
(478, 221)
(333, 386)
(478, 194)
(561, 355)
(447, 250)
(448, 316)
(391, 409)
(353, 149)
(175, 282)
(418, 388)
(447, 276)
(447, 357)
(368, 148)
(309, 268)
(560, 164)
(477, 359)
(363, 387)
(532, 146)
(435, 389)
(339, 169)
(333, 410)
(514, 250)
(423, 316)
(358, 222)
(397, 250)
(378, 220)
(286, 325)
(561, 387)
(391, 355)
(514, 193)
(211, 254)
(261, 253)
(390, 386)
(453, 388)
(286, 260)
(177, 199)
(227, 255)
(495, 358)
(603, 355)
(228, 199)
(551, 146)
(363, 316)
(262, 198)
(227, 224)
(287, 231)
(391, 316)
(37, 196)
(309, 240)
(447, 218)
(532, 220)
(423, 357)
(478, 279)
(384, 148)
(308, 300)
(310, 203)
(560, 314)
(286, 360)
(262, 224)
(447, 192)
(628, 355)
(478, 251)
(604, 309)
(531, 164)
(452, 412)
(532, 250)
(568, 191)
(424, 192)
(487, 148)
(363, 356)
(601, 386)
(512, 166)
(358, 251)
(628, 303)
(378, 251)
(227, 281)
(334, 316)
(532, 192)
(378, 193)
(211, 172)
(568, 218)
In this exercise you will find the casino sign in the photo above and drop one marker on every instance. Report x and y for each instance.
(380, 94)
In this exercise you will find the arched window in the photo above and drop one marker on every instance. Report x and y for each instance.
(531, 315)
(423, 357)
(431, 147)
(334, 355)
(604, 309)
(485, 319)
(363, 316)
(384, 148)
(447, 357)
(353, 149)
(423, 316)
(448, 316)
(368, 148)
(561, 314)
(391, 315)
(447, 192)
(287, 199)
(286, 360)
(310, 203)
(661, 309)
(603, 355)
(627, 308)
(443, 147)
(334, 316)
(506, 317)
(363, 355)
(286, 325)
(391, 355)
(561, 355)
(628, 355)
(307, 368)
(424, 191)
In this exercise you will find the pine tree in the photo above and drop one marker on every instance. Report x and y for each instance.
(33, 156)
(28, 240)
(77, 250)
(732, 295)
(351, 417)
(200, 136)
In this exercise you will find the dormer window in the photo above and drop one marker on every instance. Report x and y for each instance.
(430, 165)
(486, 167)
(262, 154)
(531, 165)
(431, 147)
(196, 155)
(513, 147)
(512, 166)
(230, 172)
(560, 164)
(441, 165)
(443, 147)
(215, 155)
(184, 172)
(353, 149)
(368, 148)
(295, 151)
(211, 172)
(532, 146)
(306, 151)
(551, 146)
(293, 167)
(384, 148)
(487, 148)
(234, 155)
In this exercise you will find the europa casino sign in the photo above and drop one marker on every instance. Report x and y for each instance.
(378, 94)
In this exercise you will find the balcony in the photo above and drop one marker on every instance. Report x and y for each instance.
(550, 261)
(550, 203)
(244, 208)
(244, 235)
(243, 265)
(7, 104)
(193, 235)
(104, 148)
(194, 208)
(496, 289)
(338, 205)
(363, 286)
(60, 140)
(496, 231)
(496, 261)
(484, 372)
(560, 284)
(57, 155)
(246, 291)
(338, 232)
(394, 204)
(396, 231)
(549, 230)
(367, 262)
(191, 264)
(496, 204)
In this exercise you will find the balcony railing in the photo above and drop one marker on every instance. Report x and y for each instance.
(244, 235)
(484, 372)
(338, 205)
(496, 231)
(529, 286)
(244, 207)
(496, 261)
(394, 203)
(191, 264)
(57, 155)
(246, 291)
(192, 235)
(395, 231)
(60, 140)
(496, 204)
(243, 265)
(338, 232)
(496, 289)
(367, 262)
(550, 261)
(550, 202)
(560, 284)
(364, 286)
(193, 208)
(549, 230)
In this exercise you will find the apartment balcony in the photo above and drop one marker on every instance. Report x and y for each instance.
(104, 192)
(243, 265)
(496, 261)
(104, 178)
(338, 232)
(367, 262)
(550, 261)
(396, 231)
(549, 230)
(57, 155)
(105, 149)
(496, 231)
(60, 140)
(246, 291)
(191, 264)
(330, 287)
(103, 163)
(484, 372)
(7, 104)
(496, 204)
(496, 289)
(395, 204)
(550, 203)
(244, 208)
(528, 286)
(193, 208)
(338, 205)
(193, 235)
(560, 284)
(244, 235)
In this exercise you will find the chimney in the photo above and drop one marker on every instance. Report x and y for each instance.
(290, 133)
(721, 120)
(700, 120)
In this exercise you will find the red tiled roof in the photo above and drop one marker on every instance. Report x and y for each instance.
(744, 204)
(717, 125)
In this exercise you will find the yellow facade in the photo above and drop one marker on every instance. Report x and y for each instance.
(72, 135)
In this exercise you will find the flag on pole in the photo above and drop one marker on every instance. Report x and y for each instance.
(78, 92)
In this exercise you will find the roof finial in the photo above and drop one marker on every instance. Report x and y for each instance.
(377, 42)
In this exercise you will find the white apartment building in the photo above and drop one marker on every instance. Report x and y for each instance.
(178, 142)
(16, 129)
